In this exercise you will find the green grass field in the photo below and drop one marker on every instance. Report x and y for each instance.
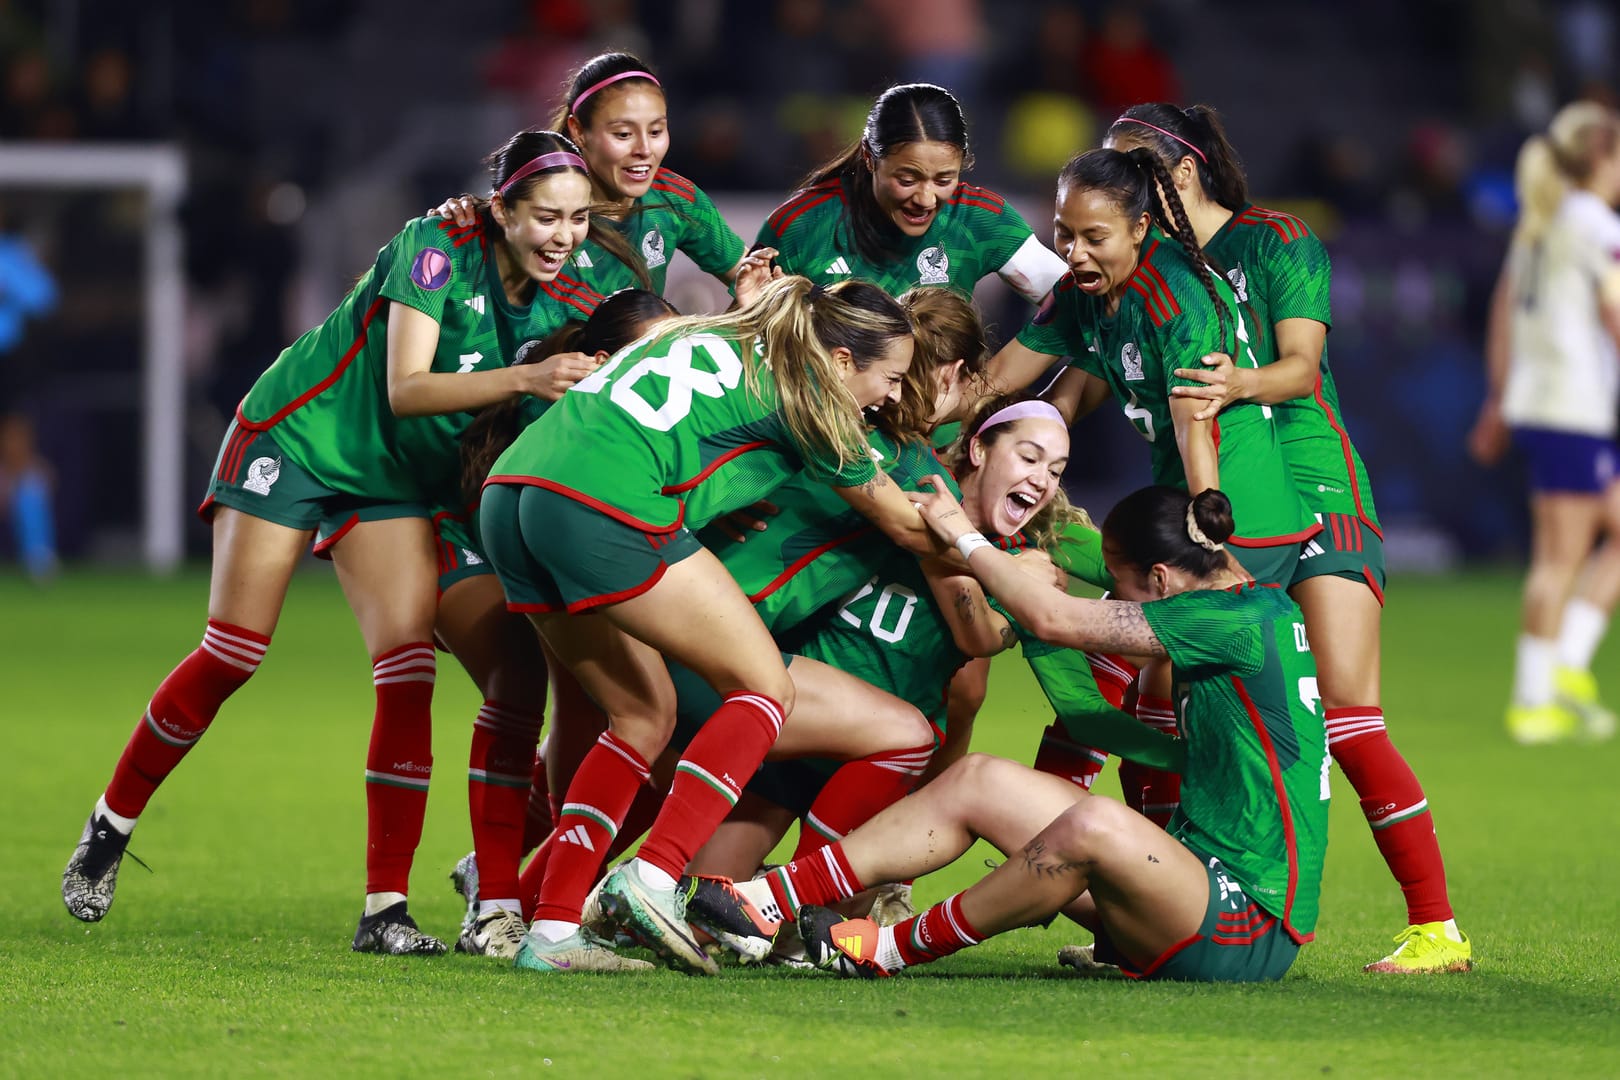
(232, 956)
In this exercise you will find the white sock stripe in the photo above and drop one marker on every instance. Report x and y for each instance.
(405, 661)
(248, 666)
(785, 879)
(247, 650)
(1354, 718)
(956, 926)
(773, 713)
(596, 815)
(425, 676)
(165, 736)
(1097, 660)
(220, 648)
(489, 776)
(245, 644)
(1395, 817)
(1156, 714)
(904, 770)
(516, 723)
(822, 827)
(613, 745)
(1339, 735)
(1100, 757)
(836, 872)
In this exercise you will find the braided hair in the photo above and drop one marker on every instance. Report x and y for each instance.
(1138, 183)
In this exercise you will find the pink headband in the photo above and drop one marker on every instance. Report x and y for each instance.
(1161, 131)
(609, 81)
(545, 161)
(1022, 410)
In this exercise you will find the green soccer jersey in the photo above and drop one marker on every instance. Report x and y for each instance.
(327, 393)
(1254, 792)
(645, 435)
(430, 444)
(1279, 270)
(890, 633)
(674, 215)
(975, 234)
(1166, 320)
(816, 548)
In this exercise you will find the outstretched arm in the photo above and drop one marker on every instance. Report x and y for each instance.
(1103, 625)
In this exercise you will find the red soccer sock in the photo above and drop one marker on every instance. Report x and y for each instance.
(185, 704)
(1393, 801)
(541, 815)
(399, 764)
(858, 791)
(937, 932)
(499, 772)
(1061, 756)
(822, 877)
(595, 807)
(1115, 676)
(1153, 793)
(710, 777)
(643, 812)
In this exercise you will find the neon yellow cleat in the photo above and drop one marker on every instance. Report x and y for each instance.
(1535, 725)
(1426, 949)
(1578, 692)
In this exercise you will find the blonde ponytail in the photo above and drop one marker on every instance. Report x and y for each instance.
(797, 325)
(1549, 165)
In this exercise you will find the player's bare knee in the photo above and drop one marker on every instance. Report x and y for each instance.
(1085, 830)
(903, 725)
(981, 777)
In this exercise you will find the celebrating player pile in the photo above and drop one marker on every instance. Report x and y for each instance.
(757, 595)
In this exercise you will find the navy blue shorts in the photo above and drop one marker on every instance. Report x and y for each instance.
(1567, 461)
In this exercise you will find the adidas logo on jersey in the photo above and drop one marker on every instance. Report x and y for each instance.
(476, 303)
(1312, 549)
(839, 266)
(583, 260)
(576, 835)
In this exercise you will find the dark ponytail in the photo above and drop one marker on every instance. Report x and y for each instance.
(1138, 183)
(914, 112)
(1165, 525)
(1173, 133)
(617, 321)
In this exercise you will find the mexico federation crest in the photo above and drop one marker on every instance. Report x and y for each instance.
(524, 350)
(431, 269)
(261, 473)
(1131, 358)
(652, 248)
(1239, 283)
(934, 266)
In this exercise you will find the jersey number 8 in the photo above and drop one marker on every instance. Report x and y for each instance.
(674, 366)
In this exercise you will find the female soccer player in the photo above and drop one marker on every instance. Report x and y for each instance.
(1281, 273)
(499, 648)
(892, 208)
(1231, 893)
(321, 435)
(615, 111)
(1555, 378)
(706, 416)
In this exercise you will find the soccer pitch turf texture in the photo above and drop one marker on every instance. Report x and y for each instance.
(232, 956)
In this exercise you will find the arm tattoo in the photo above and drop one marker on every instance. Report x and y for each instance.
(1126, 629)
(879, 481)
(1009, 636)
(965, 605)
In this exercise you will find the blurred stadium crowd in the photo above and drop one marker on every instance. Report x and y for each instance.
(312, 128)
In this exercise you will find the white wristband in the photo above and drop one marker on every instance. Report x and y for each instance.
(968, 543)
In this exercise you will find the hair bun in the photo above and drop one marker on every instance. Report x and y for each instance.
(1212, 510)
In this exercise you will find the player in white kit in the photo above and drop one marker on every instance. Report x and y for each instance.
(1555, 384)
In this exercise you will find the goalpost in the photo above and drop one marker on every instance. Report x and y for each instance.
(158, 170)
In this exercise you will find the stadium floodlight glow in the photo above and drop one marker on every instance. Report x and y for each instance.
(159, 171)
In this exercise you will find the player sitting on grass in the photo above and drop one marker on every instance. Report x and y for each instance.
(1229, 894)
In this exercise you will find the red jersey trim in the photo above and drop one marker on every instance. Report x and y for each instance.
(1287, 226)
(618, 597)
(595, 504)
(784, 215)
(1162, 959)
(983, 198)
(1287, 811)
(1349, 461)
(708, 470)
(325, 384)
(579, 298)
(803, 561)
(674, 184)
(1276, 541)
